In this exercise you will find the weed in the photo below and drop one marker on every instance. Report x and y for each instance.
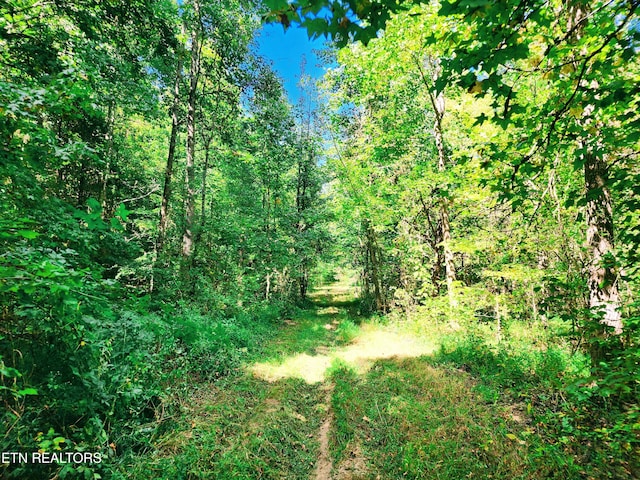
(347, 331)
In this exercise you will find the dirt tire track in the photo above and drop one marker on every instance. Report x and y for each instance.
(324, 465)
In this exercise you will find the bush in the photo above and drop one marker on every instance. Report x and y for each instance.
(110, 380)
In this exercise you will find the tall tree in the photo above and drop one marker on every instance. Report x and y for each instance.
(552, 69)
(171, 154)
(438, 103)
(190, 188)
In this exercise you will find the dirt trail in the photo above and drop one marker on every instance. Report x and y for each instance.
(324, 465)
(316, 331)
(278, 420)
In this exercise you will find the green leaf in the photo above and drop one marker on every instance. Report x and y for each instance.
(315, 27)
(9, 372)
(122, 212)
(94, 205)
(116, 225)
(276, 5)
(30, 234)
(27, 391)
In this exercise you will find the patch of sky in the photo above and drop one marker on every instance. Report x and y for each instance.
(292, 55)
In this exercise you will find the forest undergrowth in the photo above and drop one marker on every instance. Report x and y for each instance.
(166, 212)
(401, 397)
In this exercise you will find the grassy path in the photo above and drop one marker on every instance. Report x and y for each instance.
(332, 400)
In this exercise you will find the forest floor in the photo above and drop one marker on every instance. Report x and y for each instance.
(337, 396)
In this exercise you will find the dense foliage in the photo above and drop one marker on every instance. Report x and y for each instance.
(110, 113)
(488, 151)
(163, 207)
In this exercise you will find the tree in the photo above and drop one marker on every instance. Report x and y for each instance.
(575, 56)
(578, 66)
(171, 153)
(189, 179)
(438, 103)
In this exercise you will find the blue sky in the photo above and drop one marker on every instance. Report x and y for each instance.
(286, 50)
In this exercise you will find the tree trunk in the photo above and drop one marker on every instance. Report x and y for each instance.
(189, 202)
(604, 298)
(268, 287)
(434, 238)
(438, 104)
(498, 318)
(106, 211)
(450, 272)
(168, 172)
(374, 263)
(449, 266)
(83, 183)
(203, 193)
(303, 282)
(301, 205)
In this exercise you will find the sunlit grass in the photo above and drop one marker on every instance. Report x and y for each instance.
(343, 292)
(370, 343)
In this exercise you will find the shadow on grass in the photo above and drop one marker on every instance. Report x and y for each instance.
(242, 427)
(315, 327)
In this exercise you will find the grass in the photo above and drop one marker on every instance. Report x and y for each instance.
(245, 428)
(301, 353)
(408, 419)
(249, 426)
(399, 406)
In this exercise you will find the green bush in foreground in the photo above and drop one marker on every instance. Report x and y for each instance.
(113, 385)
